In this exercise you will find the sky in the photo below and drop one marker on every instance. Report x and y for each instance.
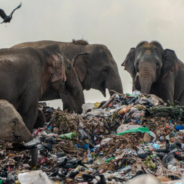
(118, 24)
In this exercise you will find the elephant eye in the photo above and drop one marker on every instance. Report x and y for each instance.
(106, 71)
(157, 65)
(68, 68)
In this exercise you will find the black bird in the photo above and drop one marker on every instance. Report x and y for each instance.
(167, 145)
(74, 164)
(55, 173)
(80, 163)
(73, 174)
(102, 179)
(62, 163)
(61, 175)
(7, 18)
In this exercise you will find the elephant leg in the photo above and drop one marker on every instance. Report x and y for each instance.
(181, 99)
(29, 117)
(164, 89)
(67, 102)
(40, 120)
(28, 109)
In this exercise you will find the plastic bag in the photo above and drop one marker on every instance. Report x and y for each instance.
(134, 130)
(68, 135)
(125, 127)
(36, 177)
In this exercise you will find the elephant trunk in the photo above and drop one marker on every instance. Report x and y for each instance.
(114, 83)
(26, 136)
(75, 90)
(147, 76)
(24, 133)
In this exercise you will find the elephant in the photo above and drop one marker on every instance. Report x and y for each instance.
(40, 120)
(13, 128)
(26, 74)
(155, 70)
(93, 63)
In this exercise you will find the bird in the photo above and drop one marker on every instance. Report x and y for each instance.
(102, 179)
(73, 174)
(62, 163)
(55, 173)
(167, 145)
(7, 18)
(74, 164)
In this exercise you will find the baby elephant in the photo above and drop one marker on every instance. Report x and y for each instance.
(13, 127)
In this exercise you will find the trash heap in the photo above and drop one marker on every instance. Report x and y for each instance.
(114, 141)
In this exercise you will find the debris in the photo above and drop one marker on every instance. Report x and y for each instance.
(118, 141)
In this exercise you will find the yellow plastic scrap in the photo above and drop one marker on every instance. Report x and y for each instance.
(34, 168)
(97, 104)
(17, 182)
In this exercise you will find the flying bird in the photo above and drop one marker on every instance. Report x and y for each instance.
(9, 17)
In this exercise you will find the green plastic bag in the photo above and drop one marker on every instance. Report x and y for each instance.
(130, 95)
(68, 135)
(109, 159)
(134, 130)
(1, 181)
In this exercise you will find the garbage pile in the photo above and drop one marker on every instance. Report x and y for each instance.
(111, 142)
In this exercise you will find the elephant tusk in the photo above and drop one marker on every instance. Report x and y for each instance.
(137, 75)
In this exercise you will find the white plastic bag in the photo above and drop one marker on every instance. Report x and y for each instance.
(36, 177)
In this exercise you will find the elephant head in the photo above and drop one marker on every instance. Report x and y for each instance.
(13, 127)
(149, 63)
(97, 69)
(63, 77)
(54, 72)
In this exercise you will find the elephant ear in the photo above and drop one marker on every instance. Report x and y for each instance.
(57, 68)
(129, 62)
(170, 63)
(80, 65)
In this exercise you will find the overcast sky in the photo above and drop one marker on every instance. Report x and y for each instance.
(118, 24)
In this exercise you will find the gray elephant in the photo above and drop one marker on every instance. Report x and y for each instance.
(26, 74)
(13, 127)
(156, 71)
(93, 63)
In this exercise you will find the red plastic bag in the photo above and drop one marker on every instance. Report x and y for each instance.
(43, 160)
(37, 131)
